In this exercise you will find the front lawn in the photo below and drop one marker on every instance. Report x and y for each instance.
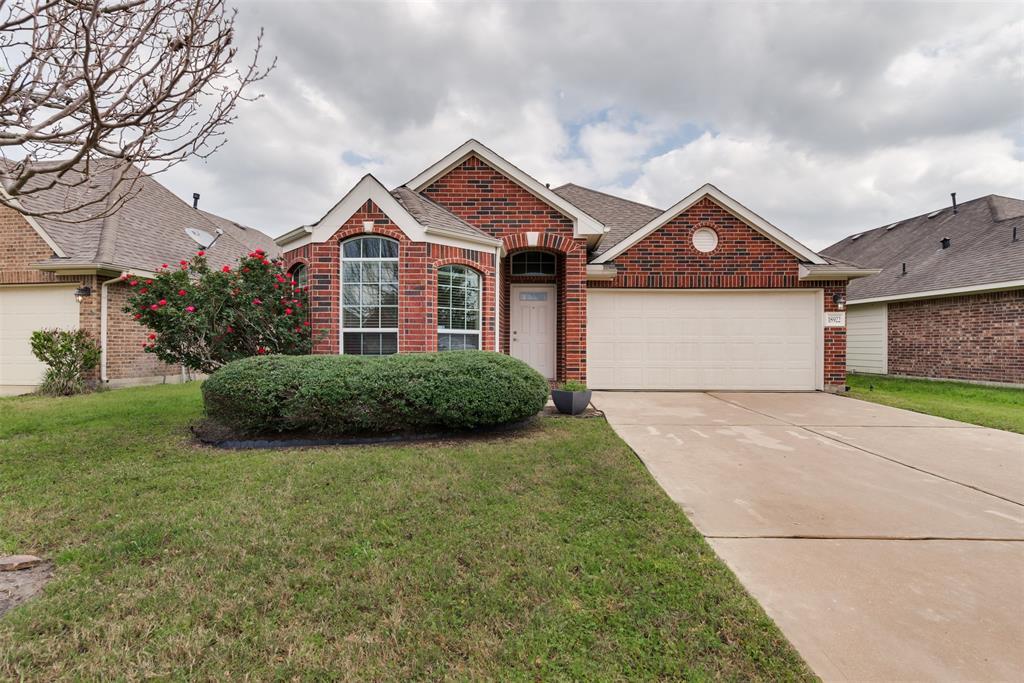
(999, 407)
(549, 555)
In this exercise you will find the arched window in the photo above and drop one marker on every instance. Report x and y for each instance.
(300, 274)
(458, 308)
(533, 263)
(369, 296)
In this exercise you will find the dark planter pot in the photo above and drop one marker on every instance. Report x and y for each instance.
(570, 402)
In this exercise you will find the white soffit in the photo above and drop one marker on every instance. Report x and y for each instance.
(732, 206)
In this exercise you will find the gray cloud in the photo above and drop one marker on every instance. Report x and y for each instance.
(826, 118)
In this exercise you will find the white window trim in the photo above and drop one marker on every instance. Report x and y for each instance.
(341, 291)
(479, 309)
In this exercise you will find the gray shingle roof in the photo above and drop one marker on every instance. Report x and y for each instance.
(147, 231)
(430, 214)
(621, 216)
(981, 249)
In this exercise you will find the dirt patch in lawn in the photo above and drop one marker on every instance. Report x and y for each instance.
(22, 585)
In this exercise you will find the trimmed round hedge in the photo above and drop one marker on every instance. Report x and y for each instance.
(361, 395)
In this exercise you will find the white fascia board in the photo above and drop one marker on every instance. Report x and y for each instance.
(369, 188)
(583, 223)
(34, 224)
(732, 206)
(293, 235)
(935, 293)
(810, 274)
(600, 271)
(460, 239)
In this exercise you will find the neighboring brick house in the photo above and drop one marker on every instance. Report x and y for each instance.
(949, 300)
(475, 253)
(45, 261)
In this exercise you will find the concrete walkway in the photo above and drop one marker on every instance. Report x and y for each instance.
(886, 544)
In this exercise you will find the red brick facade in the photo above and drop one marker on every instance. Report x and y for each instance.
(491, 202)
(978, 337)
(485, 198)
(21, 246)
(417, 283)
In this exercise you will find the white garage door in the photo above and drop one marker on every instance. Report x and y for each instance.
(759, 340)
(22, 311)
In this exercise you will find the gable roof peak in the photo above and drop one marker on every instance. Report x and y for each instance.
(584, 225)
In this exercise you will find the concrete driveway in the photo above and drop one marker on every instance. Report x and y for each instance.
(886, 544)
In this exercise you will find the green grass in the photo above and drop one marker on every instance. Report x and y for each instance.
(551, 555)
(999, 407)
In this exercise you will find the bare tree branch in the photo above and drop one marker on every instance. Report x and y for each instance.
(145, 82)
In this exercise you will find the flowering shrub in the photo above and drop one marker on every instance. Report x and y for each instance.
(68, 355)
(353, 395)
(203, 318)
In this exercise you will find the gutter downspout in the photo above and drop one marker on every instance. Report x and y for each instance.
(497, 299)
(103, 328)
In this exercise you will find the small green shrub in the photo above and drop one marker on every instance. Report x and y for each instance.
(68, 355)
(573, 385)
(350, 395)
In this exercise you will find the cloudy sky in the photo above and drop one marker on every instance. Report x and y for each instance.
(825, 118)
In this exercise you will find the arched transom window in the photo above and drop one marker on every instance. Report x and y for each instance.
(533, 263)
(300, 274)
(369, 296)
(458, 308)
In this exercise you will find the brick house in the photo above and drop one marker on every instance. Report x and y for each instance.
(45, 261)
(949, 300)
(475, 253)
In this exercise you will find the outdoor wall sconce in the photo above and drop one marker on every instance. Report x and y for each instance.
(82, 292)
(839, 300)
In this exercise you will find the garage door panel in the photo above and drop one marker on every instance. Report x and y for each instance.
(702, 340)
(22, 311)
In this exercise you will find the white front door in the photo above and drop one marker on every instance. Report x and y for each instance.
(533, 326)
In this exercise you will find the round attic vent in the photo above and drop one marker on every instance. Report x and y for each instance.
(705, 240)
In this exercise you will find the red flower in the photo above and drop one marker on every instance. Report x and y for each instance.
(226, 269)
(163, 265)
(152, 336)
(133, 283)
(246, 269)
(153, 307)
(182, 292)
(163, 302)
(143, 290)
(184, 263)
(149, 282)
(138, 315)
(277, 286)
(257, 302)
(200, 253)
(260, 350)
(260, 252)
(305, 323)
(230, 329)
(143, 344)
(287, 311)
(190, 309)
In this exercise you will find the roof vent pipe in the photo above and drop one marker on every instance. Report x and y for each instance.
(953, 195)
(945, 242)
(195, 200)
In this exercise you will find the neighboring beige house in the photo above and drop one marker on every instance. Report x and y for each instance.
(44, 262)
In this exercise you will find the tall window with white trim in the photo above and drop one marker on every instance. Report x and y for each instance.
(369, 296)
(458, 308)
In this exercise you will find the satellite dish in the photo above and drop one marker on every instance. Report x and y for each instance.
(200, 237)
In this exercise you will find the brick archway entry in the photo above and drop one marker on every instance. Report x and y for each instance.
(570, 287)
